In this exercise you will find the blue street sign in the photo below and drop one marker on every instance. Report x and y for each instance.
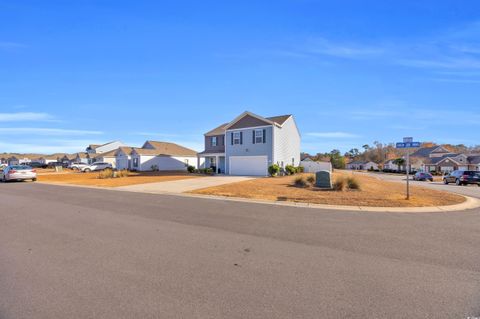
(408, 145)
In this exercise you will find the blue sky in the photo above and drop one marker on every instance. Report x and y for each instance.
(352, 72)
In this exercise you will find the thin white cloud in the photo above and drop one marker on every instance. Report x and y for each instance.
(25, 116)
(42, 147)
(324, 46)
(333, 135)
(11, 45)
(46, 131)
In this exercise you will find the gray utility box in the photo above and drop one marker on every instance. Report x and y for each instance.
(323, 179)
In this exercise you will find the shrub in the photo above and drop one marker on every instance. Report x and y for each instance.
(300, 182)
(107, 173)
(339, 184)
(353, 183)
(290, 169)
(122, 173)
(154, 168)
(273, 170)
(311, 179)
(190, 168)
(208, 171)
(300, 169)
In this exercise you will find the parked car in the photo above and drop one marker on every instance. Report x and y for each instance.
(99, 166)
(78, 166)
(423, 176)
(37, 165)
(462, 178)
(18, 173)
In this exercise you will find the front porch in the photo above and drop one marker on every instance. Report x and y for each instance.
(215, 161)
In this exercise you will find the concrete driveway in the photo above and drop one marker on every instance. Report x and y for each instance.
(182, 186)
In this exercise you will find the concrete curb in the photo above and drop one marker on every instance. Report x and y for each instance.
(470, 202)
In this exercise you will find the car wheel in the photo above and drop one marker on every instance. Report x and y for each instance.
(87, 170)
(445, 181)
(458, 183)
(34, 179)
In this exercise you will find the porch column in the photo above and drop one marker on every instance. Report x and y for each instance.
(216, 164)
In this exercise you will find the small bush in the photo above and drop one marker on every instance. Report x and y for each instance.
(107, 173)
(122, 173)
(273, 170)
(154, 168)
(290, 169)
(300, 169)
(208, 171)
(300, 182)
(190, 168)
(339, 184)
(353, 183)
(311, 179)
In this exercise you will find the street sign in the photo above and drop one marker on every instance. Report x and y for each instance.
(408, 143)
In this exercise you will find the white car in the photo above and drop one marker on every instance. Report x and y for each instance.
(18, 173)
(78, 166)
(99, 166)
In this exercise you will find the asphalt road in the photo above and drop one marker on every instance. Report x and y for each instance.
(68, 252)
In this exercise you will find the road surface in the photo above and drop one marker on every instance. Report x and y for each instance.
(69, 252)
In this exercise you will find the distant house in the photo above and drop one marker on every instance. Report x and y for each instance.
(107, 147)
(362, 165)
(106, 157)
(123, 157)
(47, 159)
(311, 166)
(162, 156)
(451, 162)
(82, 158)
(13, 161)
(391, 166)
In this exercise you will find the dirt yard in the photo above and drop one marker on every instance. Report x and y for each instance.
(373, 192)
(91, 179)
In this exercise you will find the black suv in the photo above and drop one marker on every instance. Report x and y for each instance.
(462, 178)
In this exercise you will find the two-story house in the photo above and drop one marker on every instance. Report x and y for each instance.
(250, 143)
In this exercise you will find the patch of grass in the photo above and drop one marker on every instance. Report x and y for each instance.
(353, 183)
(339, 184)
(122, 173)
(300, 181)
(107, 173)
(311, 179)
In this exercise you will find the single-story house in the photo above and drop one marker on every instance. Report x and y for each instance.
(362, 165)
(107, 147)
(13, 161)
(250, 143)
(82, 158)
(162, 156)
(390, 165)
(106, 157)
(311, 166)
(123, 157)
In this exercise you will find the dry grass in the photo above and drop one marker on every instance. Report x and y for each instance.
(373, 192)
(134, 178)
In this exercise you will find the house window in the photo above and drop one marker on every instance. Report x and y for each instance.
(135, 162)
(258, 136)
(186, 162)
(236, 138)
(214, 141)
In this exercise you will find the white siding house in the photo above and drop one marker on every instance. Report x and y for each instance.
(286, 143)
(310, 166)
(104, 148)
(162, 156)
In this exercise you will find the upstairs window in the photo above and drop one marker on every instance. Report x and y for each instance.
(258, 136)
(214, 141)
(236, 138)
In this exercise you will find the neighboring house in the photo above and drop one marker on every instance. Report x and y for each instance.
(123, 157)
(24, 160)
(390, 165)
(107, 147)
(250, 143)
(311, 166)
(362, 165)
(48, 159)
(452, 162)
(67, 159)
(162, 156)
(107, 157)
(82, 158)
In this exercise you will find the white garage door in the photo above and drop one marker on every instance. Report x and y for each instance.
(248, 165)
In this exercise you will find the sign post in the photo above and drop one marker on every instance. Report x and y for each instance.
(408, 143)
